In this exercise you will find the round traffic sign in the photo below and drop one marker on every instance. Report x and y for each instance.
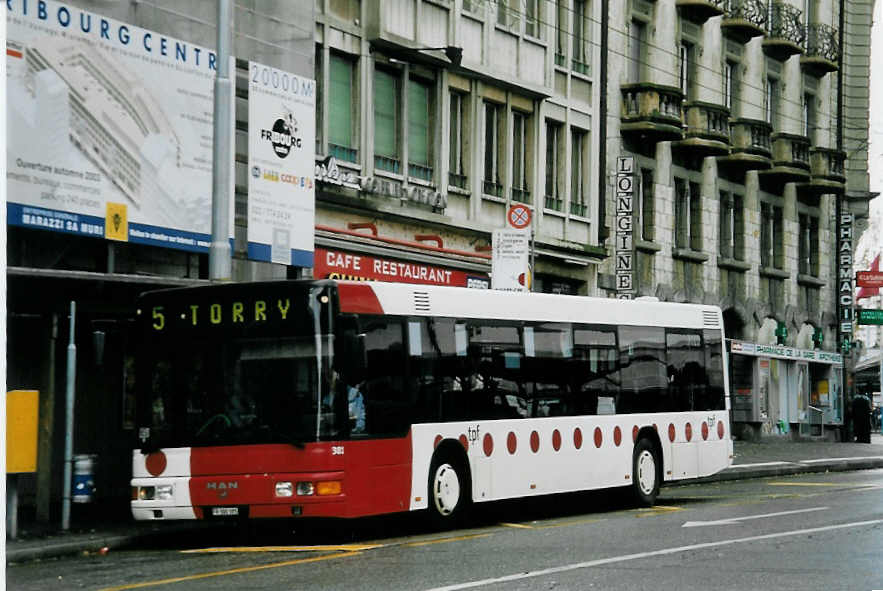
(519, 216)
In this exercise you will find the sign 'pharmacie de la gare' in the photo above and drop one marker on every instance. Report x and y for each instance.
(328, 172)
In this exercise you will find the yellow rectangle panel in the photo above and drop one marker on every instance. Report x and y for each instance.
(21, 430)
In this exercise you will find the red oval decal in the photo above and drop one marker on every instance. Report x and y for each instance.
(156, 463)
(556, 439)
(598, 437)
(617, 436)
(512, 442)
(488, 444)
(535, 441)
(577, 438)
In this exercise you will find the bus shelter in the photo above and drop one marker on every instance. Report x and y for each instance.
(777, 391)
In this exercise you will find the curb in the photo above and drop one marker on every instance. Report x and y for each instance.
(786, 469)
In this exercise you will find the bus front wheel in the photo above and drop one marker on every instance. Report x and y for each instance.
(645, 473)
(449, 490)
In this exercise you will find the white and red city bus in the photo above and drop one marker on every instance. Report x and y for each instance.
(348, 399)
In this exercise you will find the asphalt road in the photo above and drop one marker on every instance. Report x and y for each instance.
(815, 531)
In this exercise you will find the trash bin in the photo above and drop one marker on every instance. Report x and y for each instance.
(84, 478)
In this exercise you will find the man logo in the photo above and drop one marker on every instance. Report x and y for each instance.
(283, 135)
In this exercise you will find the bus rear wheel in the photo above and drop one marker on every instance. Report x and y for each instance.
(449, 491)
(645, 473)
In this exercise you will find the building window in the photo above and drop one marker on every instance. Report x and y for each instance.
(419, 130)
(520, 145)
(386, 122)
(493, 125)
(808, 246)
(578, 168)
(732, 226)
(647, 207)
(732, 82)
(457, 141)
(561, 32)
(341, 129)
(771, 102)
(532, 18)
(809, 115)
(772, 248)
(582, 49)
(508, 13)
(688, 215)
(637, 40)
(554, 166)
(687, 68)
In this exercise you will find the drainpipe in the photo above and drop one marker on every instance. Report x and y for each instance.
(602, 127)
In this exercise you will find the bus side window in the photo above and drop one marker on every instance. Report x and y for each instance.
(595, 371)
(714, 369)
(643, 370)
(685, 370)
(387, 404)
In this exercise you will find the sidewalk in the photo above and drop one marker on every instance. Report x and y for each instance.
(752, 460)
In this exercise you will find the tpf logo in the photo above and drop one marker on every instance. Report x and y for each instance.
(283, 136)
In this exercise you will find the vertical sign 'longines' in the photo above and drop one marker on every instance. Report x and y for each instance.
(281, 166)
(625, 252)
(844, 281)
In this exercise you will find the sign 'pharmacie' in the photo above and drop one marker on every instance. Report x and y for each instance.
(328, 172)
(845, 290)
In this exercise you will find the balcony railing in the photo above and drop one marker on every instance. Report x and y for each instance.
(522, 195)
(785, 31)
(578, 209)
(749, 145)
(822, 49)
(826, 167)
(790, 161)
(388, 164)
(699, 11)
(343, 153)
(457, 180)
(419, 171)
(491, 188)
(708, 129)
(744, 19)
(652, 111)
(554, 203)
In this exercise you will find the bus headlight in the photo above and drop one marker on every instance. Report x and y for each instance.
(146, 493)
(164, 492)
(284, 489)
(305, 489)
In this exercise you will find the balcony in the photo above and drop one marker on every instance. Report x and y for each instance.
(822, 50)
(749, 146)
(708, 130)
(699, 11)
(785, 32)
(744, 19)
(826, 169)
(790, 161)
(651, 112)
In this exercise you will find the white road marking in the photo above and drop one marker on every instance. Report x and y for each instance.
(759, 464)
(663, 552)
(737, 520)
(840, 459)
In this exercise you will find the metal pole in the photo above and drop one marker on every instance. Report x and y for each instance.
(222, 158)
(69, 424)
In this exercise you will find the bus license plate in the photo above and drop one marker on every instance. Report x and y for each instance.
(225, 511)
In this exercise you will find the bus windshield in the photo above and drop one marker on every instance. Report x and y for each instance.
(236, 386)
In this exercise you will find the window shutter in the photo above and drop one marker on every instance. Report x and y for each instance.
(418, 123)
(385, 105)
(340, 123)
